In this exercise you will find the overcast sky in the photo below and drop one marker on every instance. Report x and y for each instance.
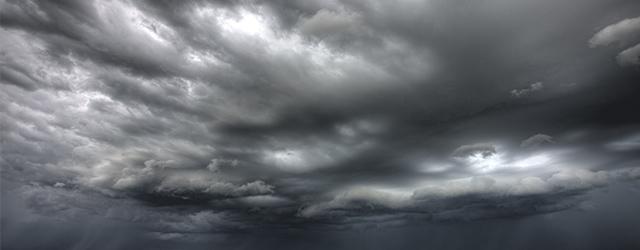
(344, 124)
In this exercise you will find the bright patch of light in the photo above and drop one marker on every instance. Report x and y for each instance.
(533, 161)
(486, 163)
(250, 29)
(429, 167)
(287, 160)
(248, 23)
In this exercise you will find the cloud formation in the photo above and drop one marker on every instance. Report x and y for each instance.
(527, 91)
(536, 140)
(623, 34)
(482, 149)
(185, 122)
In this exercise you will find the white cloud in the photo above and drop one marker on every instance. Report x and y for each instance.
(533, 161)
(527, 91)
(623, 32)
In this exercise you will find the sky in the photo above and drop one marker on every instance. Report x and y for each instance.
(338, 124)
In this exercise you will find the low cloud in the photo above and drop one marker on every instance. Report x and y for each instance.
(483, 149)
(189, 120)
(536, 140)
(624, 33)
(478, 197)
(629, 143)
(630, 56)
(534, 87)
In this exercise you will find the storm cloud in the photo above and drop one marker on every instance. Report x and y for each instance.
(197, 123)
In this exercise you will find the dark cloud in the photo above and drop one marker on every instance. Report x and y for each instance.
(196, 122)
(536, 140)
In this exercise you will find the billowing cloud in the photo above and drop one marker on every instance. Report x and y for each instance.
(475, 197)
(624, 34)
(186, 123)
(536, 140)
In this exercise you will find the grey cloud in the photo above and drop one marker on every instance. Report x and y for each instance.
(527, 91)
(216, 164)
(198, 123)
(536, 140)
(326, 24)
(630, 56)
(630, 143)
(19, 79)
(356, 198)
(623, 33)
(476, 197)
(483, 149)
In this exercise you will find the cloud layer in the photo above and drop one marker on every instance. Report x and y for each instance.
(216, 117)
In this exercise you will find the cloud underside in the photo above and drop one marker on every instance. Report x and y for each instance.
(204, 117)
(624, 34)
